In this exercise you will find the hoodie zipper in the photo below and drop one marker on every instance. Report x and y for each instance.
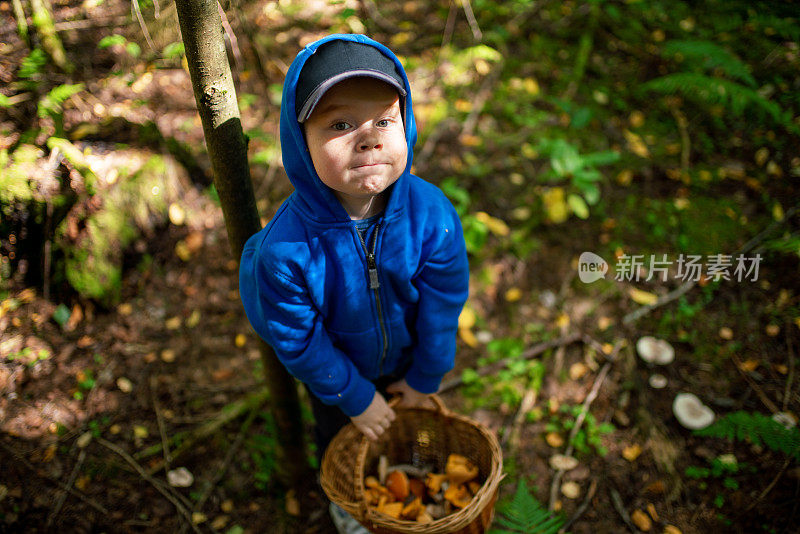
(374, 284)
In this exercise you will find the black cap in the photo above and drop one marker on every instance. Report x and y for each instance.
(338, 60)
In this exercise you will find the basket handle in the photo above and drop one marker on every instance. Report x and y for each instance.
(438, 404)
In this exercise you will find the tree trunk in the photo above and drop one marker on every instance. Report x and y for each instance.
(215, 94)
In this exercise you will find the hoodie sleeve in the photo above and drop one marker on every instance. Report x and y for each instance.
(443, 285)
(279, 308)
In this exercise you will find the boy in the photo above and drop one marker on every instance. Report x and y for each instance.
(358, 281)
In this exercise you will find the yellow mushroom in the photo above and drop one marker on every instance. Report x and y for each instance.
(434, 482)
(413, 509)
(458, 496)
(459, 469)
(392, 509)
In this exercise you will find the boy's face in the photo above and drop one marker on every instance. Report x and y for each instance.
(356, 138)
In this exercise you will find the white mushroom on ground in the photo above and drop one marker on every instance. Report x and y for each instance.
(658, 381)
(787, 420)
(560, 462)
(653, 350)
(691, 412)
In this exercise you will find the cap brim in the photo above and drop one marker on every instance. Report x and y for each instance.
(316, 95)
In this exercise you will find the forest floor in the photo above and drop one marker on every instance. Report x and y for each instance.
(177, 350)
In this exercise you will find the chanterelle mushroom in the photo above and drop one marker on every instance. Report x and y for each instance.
(653, 350)
(691, 412)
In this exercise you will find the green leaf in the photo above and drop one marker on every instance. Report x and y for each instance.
(578, 206)
(61, 315)
(111, 40)
(173, 50)
(524, 514)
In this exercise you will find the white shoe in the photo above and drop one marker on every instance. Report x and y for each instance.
(344, 522)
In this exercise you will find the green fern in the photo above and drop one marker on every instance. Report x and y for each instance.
(711, 90)
(756, 428)
(524, 514)
(710, 56)
(51, 103)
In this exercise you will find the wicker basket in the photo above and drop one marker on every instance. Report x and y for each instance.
(419, 436)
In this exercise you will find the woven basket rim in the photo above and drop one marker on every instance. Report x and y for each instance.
(453, 522)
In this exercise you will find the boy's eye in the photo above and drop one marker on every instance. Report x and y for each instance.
(383, 123)
(340, 126)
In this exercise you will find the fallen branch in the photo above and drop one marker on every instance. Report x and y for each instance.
(512, 438)
(188, 439)
(753, 384)
(582, 508)
(618, 506)
(63, 497)
(528, 354)
(162, 430)
(473, 22)
(601, 376)
(55, 481)
(159, 487)
(770, 486)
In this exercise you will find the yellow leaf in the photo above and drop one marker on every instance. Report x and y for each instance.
(168, 355)
(608, 348)
(83, 482)
(777, 212)
(555, 204)
(554, 439)
(636, 144)
(182, 250)
(749, 365)
(177, 215)
(603, 323)
(467, 318)
(193, 319)
(531, 86)
(240, 340)
(495, 225)
(292, 504)
(173, 323)
(636, 119)
(772, 330)
(513, 294)
(641, 520)
(762, 154)
(577, 371)
(49, 453)
(671, 529)
(645, 298)
(562, 321)
(625, 177)
(125, 309)
(631, 452)
(774, 170)
(652, 511)
(726, 333)
(140, 431)
(464, 106)
(468, 337)
(199, 517)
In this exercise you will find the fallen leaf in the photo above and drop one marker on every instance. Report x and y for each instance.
(140, 432)
(554, 439)
(762, 155)
(571, 490)
(772, 330)
(168, 355)
(497, 226)
(555, 204)
(177, 215)
(292, 504)
(240, 340)
(513, 294)
(115, 429)
(199, 517)
(173, 323)
(468, 337)
(749, 365)
(652, 511)
(467, 318)
(645, 298)
(49, 453)
(562, 321)
(226, 506)
(631, 452)
(670, 529)
(85, 342)
(578, 370)
(603, 323)
(726, 333)
(193, 319)
(636, 144)
(83, 440)
(83, 482)
(641, 520)
(220, 522)
(125, 309)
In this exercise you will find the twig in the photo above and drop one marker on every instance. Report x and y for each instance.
(237, 53)
(528, 354)
(512, 438)
(375, 15)
(63, 497)
(22, 22)
(160, 420)
(55, 481)
(601, 376)
(89, 24)
(753, 384)
(473, 23)
(449, 26)
(161, 489)
(582, 508)
(787, 392)
(145, 31)
(618, 506)
(686, 286)
(680, 120)
(484, 93)
(770, 486)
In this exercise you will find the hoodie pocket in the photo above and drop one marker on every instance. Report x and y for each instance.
(363, 349)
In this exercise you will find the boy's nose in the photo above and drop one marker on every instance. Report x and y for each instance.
(370, 145)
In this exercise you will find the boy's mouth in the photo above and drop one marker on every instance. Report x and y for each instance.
(367, 165)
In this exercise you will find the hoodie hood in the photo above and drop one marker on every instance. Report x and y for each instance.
(315, 199)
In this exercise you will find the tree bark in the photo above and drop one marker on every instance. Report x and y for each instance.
(202, 32)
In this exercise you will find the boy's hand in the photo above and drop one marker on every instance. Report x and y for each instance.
(411, 398)
(375, 419)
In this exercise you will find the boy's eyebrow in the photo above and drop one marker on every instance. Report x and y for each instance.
(331, 107)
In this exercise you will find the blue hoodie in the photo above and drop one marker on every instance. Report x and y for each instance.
(336, 317)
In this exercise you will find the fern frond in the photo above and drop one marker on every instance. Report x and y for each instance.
(524, 514)
(785, 28)
(711, 56)
(757, 429)
(711, 90)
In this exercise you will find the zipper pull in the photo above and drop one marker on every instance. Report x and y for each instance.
(373, 272)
